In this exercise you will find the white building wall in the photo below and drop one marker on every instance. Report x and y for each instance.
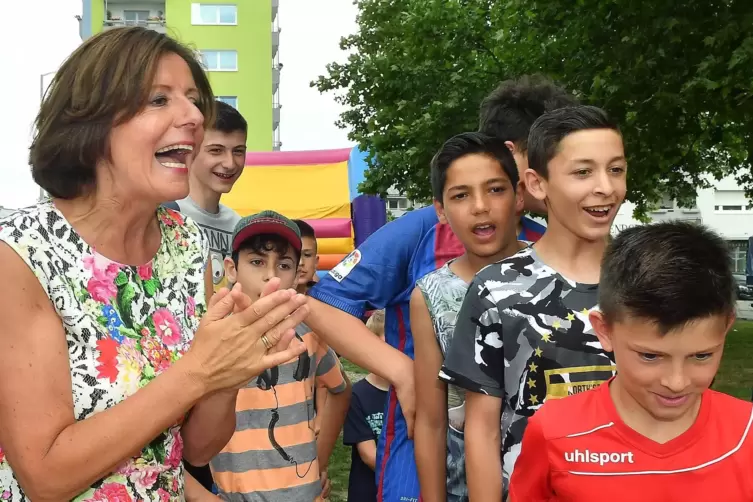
(722, 208)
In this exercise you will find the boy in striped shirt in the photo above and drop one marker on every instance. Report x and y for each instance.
(274, 455)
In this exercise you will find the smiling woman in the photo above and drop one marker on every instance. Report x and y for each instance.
(114, 362)
(108, 90)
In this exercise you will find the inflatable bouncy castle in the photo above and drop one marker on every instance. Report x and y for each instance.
(318, 186)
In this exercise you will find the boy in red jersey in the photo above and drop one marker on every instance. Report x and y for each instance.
(655, 432)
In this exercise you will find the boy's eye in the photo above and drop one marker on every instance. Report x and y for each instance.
(215, 151)
(582, 173)
(285, 266)
(704, 356)
(497, 189)
(459, 196)
(647, 356)
(617, 169)
(256, 262)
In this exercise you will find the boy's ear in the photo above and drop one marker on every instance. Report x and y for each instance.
(534, 184)
(602, 329)
(439, 208)
(511, 146)
(230, 272)
(316, 261)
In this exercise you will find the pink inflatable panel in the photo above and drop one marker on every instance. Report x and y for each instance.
(331, 227)
(305, 157)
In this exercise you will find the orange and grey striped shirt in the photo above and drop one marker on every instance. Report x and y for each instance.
(249, 468)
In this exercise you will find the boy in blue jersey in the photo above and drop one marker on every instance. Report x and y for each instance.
(383, 271)
(474, 182)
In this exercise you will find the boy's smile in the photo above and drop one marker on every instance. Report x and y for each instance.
(661, 376)
(219, 162)
(585, 183)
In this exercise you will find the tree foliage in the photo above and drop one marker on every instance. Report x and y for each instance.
(677, 75)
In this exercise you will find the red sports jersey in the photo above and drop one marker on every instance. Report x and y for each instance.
(578, 449)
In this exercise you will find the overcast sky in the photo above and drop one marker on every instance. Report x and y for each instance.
(311, 31)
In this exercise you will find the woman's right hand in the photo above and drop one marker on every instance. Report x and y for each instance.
(228, 350)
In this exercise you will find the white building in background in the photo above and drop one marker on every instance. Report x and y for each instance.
(723, 208)
(398, 204)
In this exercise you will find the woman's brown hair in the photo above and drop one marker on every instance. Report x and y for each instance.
(104, 83)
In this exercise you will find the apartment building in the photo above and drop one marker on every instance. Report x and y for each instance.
(238, 43)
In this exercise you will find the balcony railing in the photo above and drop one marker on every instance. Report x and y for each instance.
(276, 78)
(153, 24)
(276, 146)
(275, 42)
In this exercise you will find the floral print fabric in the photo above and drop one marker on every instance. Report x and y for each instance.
(124, 326)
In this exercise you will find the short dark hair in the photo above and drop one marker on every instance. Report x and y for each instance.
(669, 273)
(306, 229)
(105, 82)
(509, 110)
(469, 143)
(229, 119)
(548, 131)
(266, 243)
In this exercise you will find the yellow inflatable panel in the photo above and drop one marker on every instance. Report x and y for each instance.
(338, 245)
(307, 191)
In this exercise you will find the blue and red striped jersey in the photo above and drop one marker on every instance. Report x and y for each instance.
(381, 274)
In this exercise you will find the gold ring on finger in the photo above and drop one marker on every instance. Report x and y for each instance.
(265, 341)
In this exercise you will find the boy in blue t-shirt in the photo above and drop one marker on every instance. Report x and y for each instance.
(383, 271)
(364, 424)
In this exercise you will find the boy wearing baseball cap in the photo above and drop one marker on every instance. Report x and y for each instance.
(274, 453)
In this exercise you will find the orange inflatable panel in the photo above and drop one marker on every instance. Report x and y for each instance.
(330, 261)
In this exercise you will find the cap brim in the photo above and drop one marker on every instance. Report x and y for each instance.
(267, 228)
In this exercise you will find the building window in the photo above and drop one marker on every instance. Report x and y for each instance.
(397, 203)
(220, 60)
(136, 17)
(214, 14)
(231, 100)
(728, 208)
(666, 203)
(738, 252)
(730, 201)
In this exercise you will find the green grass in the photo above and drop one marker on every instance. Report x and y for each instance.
(353, 370)
(339, 462)
(735, 377)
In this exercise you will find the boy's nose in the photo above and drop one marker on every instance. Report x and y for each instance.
(604, 184)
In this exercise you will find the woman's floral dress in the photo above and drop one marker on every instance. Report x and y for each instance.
(124, 326)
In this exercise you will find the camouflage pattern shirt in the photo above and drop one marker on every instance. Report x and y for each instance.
(523, 335)
(443, 292)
